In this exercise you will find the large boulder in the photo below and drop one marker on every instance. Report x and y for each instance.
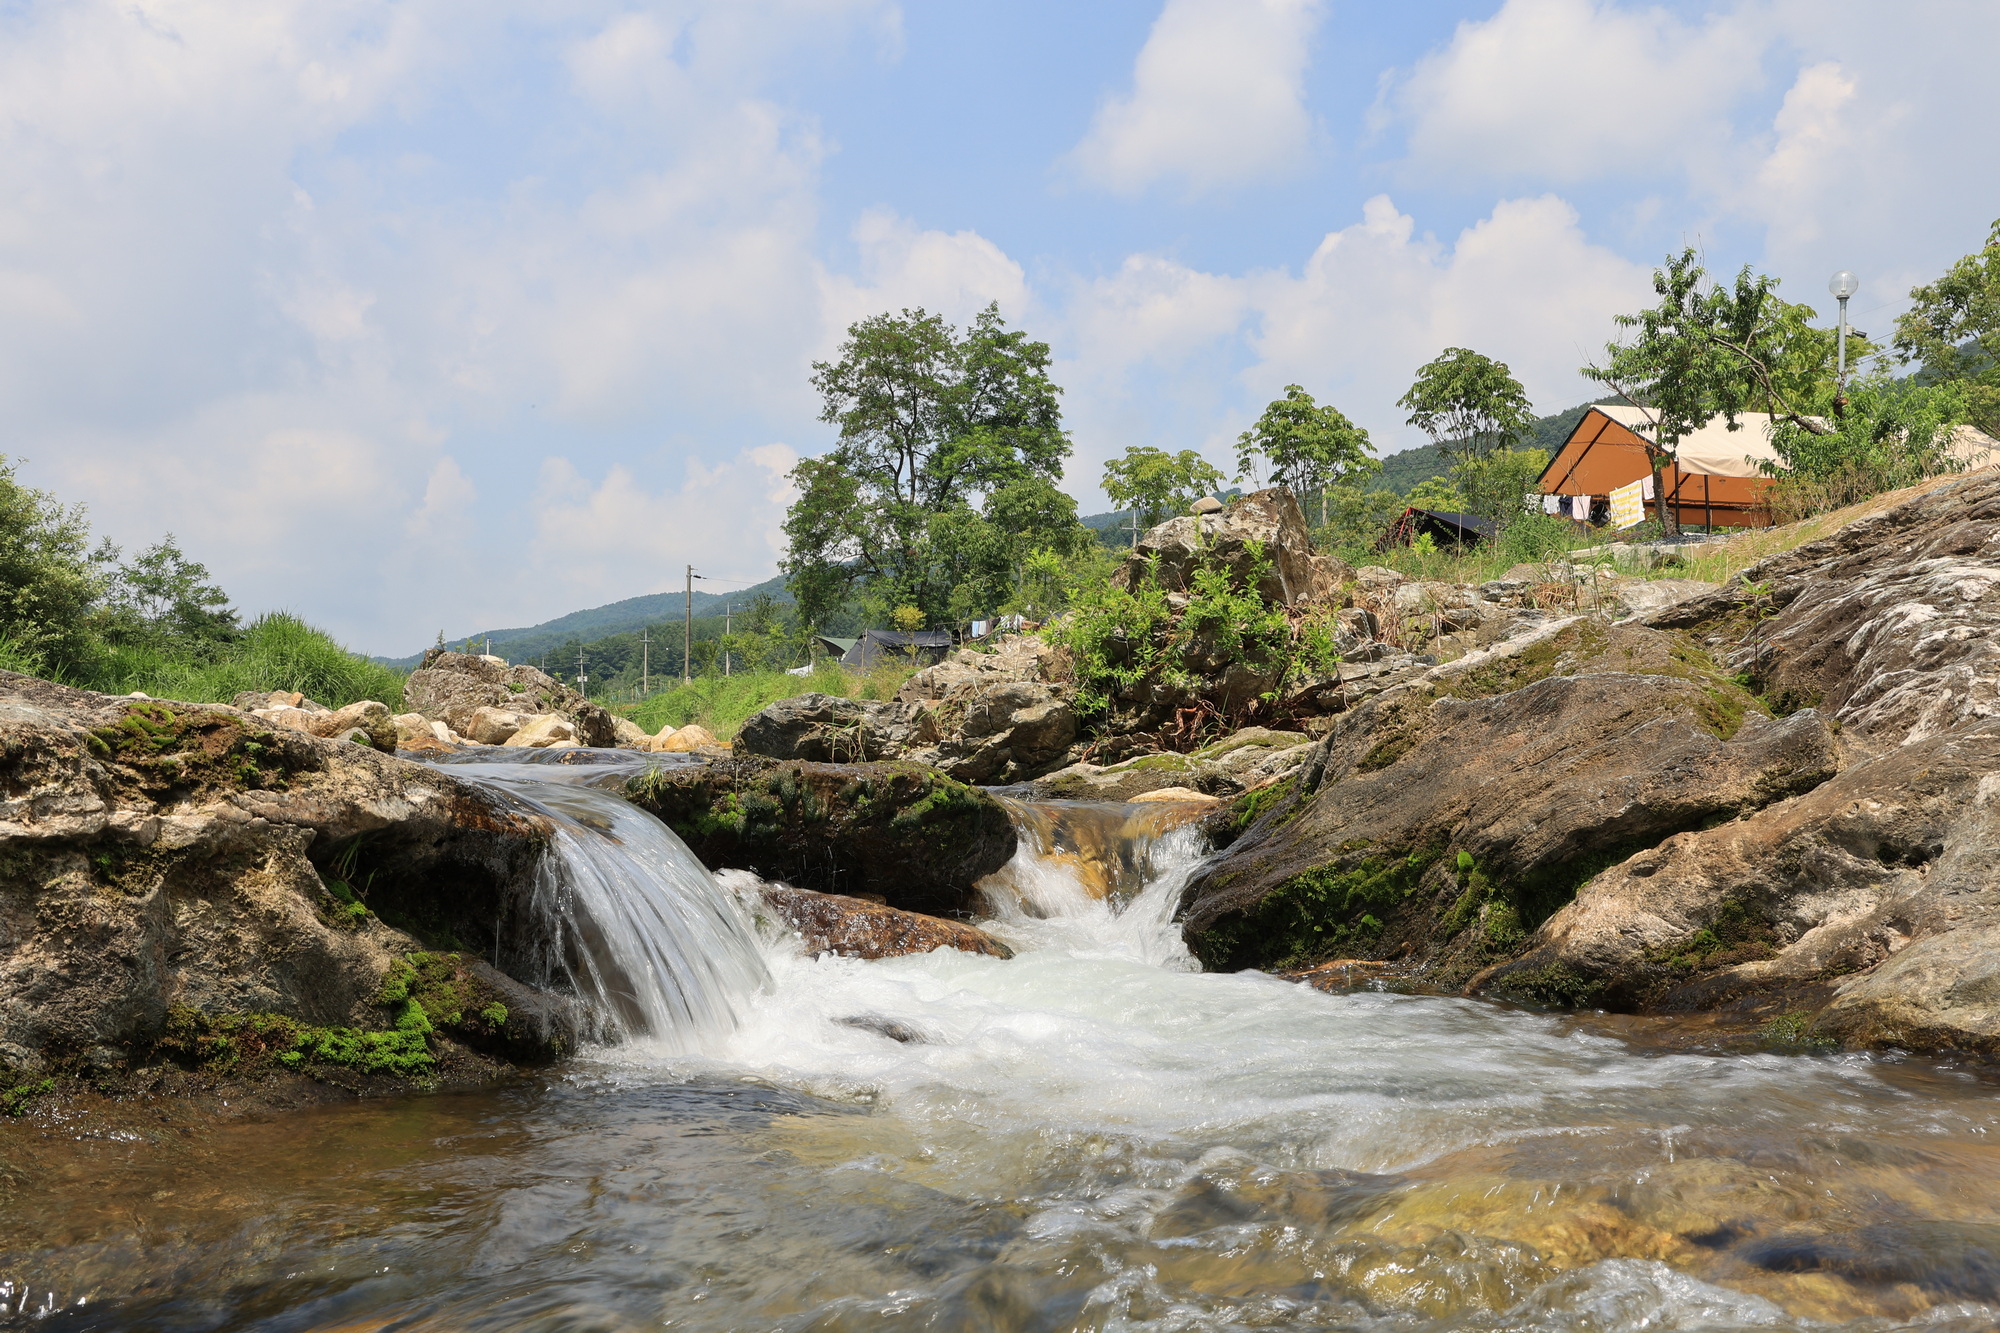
(451, 687)
(1261, 540)
(904, 832)
(825, 728)
(172, 859)
(1442, 819)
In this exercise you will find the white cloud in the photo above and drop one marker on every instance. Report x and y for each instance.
(1570, 90)
(1217, 99)
(954, 274)
(724, 519)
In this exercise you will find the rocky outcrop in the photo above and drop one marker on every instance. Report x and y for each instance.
(364, 723)
(907, 833)
(856, 928)
(828, 729)
(1445, 817)
(1250, 757)
(451, 687)
(1869, 909)
(174, 859)
(1261, 538)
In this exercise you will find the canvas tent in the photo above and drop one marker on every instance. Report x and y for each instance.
(876, 645)
(835, 648)
(1714, 479)
(1446, 529)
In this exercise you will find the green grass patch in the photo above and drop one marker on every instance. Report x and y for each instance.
(721, 704)
(278, 651)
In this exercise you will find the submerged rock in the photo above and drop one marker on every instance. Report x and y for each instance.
(919, 839)
(857, 928)
(168, 858)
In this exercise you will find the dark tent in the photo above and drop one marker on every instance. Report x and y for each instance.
(875, 645)
(1446, 529)
(833, 647)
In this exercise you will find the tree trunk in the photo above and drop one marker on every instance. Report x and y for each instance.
(1670, 524)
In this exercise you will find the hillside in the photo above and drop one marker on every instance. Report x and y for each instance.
(624, 617)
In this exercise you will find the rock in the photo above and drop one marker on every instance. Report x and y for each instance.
(189, 858)
(450, 687)
(1173, 794)
(1269, 519)
(630, 734)
(855, 928)
(542, 731)
(1871, 903)
(1639, 597)
(493, 726)
(903, 831)
(1247, 758)
(1536, 762)
(372, 719)
(690, 739)
(413, 732)
(1891, 625)
(825, 728)
(1006, 733)
(1013, 657)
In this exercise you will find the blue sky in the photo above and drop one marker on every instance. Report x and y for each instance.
(440, 315)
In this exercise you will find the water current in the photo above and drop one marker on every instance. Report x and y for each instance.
(1091, 1135)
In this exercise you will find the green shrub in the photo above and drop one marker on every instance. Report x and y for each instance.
(721, 704)
(278, 651)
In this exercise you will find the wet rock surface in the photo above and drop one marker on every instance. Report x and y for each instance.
(906, 832)
(165, 857)
(856, 928)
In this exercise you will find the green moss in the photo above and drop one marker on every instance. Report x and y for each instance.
(17, 1091)
(1794, 1031)
(1315, 915)
(1251, 806)
(1733, 936)
(243, 1043)
(1556, 984)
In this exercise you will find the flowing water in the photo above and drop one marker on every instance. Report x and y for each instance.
(1091, 1135)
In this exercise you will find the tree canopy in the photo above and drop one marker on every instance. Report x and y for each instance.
(944, 474)
(1468, 403)
(1952, 330)
(1156, 483)
(1304, 446)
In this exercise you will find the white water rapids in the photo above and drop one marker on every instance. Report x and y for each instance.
(1091, 1135)
(1124, 1106)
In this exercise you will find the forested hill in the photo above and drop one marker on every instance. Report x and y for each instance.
(628, 616)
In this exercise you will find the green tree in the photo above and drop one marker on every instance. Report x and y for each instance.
(1305, 447)
(1157, 483)
(1952, 330)
(50, 580)
(1469, 404)
(931, 422)
(162, 600)
(1496, 486)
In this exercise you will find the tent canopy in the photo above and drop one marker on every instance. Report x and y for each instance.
(1446, 529)
(1713, 451)
(926, 645)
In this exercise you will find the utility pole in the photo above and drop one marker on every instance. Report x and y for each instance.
(581, 679)
(1135, 529)
(726, 609)
(687, 640)
(645, 664)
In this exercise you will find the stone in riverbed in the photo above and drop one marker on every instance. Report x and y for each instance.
(855, 928)
(543, 731)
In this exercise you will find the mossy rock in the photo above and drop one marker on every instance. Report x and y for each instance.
(904, 831)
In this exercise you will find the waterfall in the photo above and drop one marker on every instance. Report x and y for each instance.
(1098, 879)
(637, 927)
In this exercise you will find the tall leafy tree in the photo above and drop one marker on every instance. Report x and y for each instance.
(50, 580)
(1952, 330)
(1156, 483)
(162, 599)
(1469, 404)
(933, 422)
(1706, 349)
(1304, 446)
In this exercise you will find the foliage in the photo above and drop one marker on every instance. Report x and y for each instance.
(162, 600)
(1891, 435)
(720, 704)
(930, 422)
(1158, 484)
(1495, 485)
(50, 580)
(1355, 518)
(1305, 447)
(1469, 404)
(1952, 329)
(278, 651)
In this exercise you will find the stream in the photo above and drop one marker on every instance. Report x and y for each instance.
(1091, 1135)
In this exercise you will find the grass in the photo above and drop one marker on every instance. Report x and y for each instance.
(278, 651)
(721, 704)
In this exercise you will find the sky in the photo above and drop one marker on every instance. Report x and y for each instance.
(443, 316)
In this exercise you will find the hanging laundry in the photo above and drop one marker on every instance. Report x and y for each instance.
(1579, 508)
(1627, 509)
(1646, 488)
(1552, 504)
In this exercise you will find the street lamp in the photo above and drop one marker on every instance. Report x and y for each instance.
(1843, 285)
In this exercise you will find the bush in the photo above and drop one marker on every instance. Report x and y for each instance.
(1893, 434)
(721, 704)
(278, 651)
